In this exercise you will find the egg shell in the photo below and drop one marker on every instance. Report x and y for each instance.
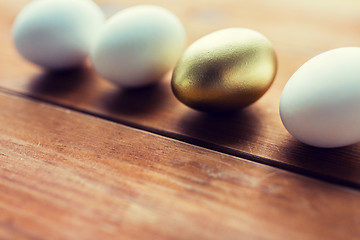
(138, 45)
(224, 71)
(57, 34)
(320, 104)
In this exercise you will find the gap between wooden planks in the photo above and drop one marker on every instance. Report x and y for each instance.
(299, 31)
(66, 175)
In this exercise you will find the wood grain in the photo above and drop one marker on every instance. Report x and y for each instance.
(66, 175)
(299, 30)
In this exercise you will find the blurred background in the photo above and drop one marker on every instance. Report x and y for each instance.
(296, 28)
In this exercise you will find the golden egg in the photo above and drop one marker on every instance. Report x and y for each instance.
(225, 70)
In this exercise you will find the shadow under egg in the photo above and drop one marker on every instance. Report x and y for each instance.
(341, 162)
(224, 129)
(134, 101)
(60, 82)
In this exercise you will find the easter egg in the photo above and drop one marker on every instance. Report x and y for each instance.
(320, 103)
(57, 34)
(138, 45)
(225, 70)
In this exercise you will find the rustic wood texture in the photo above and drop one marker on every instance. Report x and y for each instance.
(298, 29)
(66, 175)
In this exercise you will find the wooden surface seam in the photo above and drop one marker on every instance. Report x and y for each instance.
(99, 179)
(200, 143)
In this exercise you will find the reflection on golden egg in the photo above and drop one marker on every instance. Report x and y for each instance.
(225, 70)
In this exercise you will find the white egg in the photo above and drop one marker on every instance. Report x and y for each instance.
(138, 45)
(320, 104)
(57, 34)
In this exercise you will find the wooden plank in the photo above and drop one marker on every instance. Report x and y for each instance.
(66, 175)
(298, 30)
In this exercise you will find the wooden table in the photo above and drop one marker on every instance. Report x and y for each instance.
(83, 159)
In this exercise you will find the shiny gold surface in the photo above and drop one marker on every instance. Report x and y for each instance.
(225, 70)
